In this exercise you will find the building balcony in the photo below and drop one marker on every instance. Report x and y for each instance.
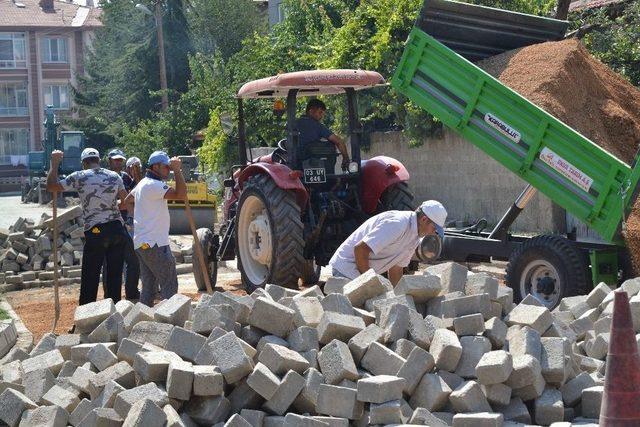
(14, 111)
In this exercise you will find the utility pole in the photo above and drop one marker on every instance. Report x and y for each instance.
(163, 69)
(562, 10)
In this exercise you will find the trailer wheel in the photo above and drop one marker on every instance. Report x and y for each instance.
(549, 268)
(269, 242)
(205, 240)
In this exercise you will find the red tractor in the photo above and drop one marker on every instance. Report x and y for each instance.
(286, 213)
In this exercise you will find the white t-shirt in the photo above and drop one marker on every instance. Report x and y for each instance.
(392, 237)
(151, 213)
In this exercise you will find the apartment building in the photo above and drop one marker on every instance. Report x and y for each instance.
(42, 49)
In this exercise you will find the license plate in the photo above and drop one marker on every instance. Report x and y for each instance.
(314, 176)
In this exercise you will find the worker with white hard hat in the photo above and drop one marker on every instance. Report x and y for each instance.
(386, 242)
(105, 236)
(134, 169)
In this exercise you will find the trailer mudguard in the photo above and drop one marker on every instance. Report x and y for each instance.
(378, 174)
(282, 175)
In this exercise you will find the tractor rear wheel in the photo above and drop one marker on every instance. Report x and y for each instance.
(269, 237)
(549, 268)
(398, 197)
(205, 240)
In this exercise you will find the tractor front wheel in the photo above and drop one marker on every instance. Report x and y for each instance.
(269, 238)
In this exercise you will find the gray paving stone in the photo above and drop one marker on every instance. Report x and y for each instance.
(180, 380)
(462, 306)
(478, 419)
(386, 413)
(338, 303)
(432, 393)
(473, 348)
(126, 399)
(272, 317)
(176, 310)
(592, 401)
(153, 365)
(37, 383)
(336, 363)
(482, 283)
(549, 408)
(281, 360)
(364, 287)
(418, 363)
(12, 405)
(471, 324)
(143, 413)
(304, 338)
(208, 410)
(339, 402)
(497, 394)
(155, 333)
(468, 397)
(359, 343)
(184, 343)
(525, 341)
(379, 360)
(87, 317)
(101, 357)
(308, 312)
(572, 390)
(538, 318)
(380, 388)
(453, 276)
(446, 349)
(107, 331)
(338, 326)
(494, 367)
(290, 386)
(496, 331)
(230, 357)
(207, 381)
(308, 397)
(45, 416)
(263, 381)
(421, 287)
(61, 397)
(395, 322)
(51, 360)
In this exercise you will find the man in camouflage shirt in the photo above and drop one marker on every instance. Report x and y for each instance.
(105, 236)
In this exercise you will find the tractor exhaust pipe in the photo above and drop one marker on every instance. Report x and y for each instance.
(502, 228)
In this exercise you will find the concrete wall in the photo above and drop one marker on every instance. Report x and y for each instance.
(469, 183)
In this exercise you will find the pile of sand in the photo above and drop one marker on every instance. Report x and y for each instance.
(565, 80)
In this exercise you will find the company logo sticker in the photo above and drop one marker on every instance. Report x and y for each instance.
(566, 169)
(502, 127)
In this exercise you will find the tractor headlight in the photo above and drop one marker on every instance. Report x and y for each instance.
(353, 167)
(429, 249)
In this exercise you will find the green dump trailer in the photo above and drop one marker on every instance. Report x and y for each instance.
(436, 72)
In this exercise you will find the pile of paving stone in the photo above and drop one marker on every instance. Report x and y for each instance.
(444, 348)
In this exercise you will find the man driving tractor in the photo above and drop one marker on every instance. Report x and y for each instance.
(311, 129)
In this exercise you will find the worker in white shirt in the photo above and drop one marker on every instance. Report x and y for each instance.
(151, 226)
(386, 242)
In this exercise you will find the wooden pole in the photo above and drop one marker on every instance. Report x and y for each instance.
(56, 294)
(197, 247)
(562, 10)
(161, 57)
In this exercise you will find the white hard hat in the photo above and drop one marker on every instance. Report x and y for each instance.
(88, 153)
(436, 213)
(133, 160)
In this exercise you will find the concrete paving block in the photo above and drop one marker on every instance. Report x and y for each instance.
(13, 372)
(12, 405)
(271, 339)
(146, 332)
(280, 359)
(336, 363)
(471, 324)
(478, 419)
(549, 408)
(418, 363)
(572, 390)
(312, 358)
(403, 347)
(127, 350)
(208, 410)
(81, 379)
(386, 413)
(46, 343)
(290, 386)
(419, 332)
(497, 394)
(468, 397)
(452, 380)
(598, 294)
(263, 381)
(308, 312)
(379, 360)
(101, 357)
(274, 421)
(62, 397)
(464, 305)
(599, 346)
(173, 418)
(145, 412)
(207, 380)
(272, 317)
(482, 283)
(592, 401)
(538, 318)
(108, 395)
(253, 417)
(581, 327)
(364, 287)
(88, 316)
(243, 397)
(123, 307)
(446, 349)
(230, 357)
(101, 417)
(82, 410)
(51, 360)
(338, 303)
(185, 343)
(421, 287)
(180, 380)
(505, 298)
(453, 276)
(473, 348)
(176, 310)
(367, 317)
(236, 420)
(338, 326)
(207, 317)
(525, 341)
(494, 367)
(333, 421)
(304, 338)
(65, 342)
(432, 393)
(496, 330)
(380, 388)
(602, 325)
(339, 402)
(334, 285)
(126, 399)
(295, 420)
(308, 397)
(138, 313)
(107, 331)
(515, 411)
(122, 373)
(531, 300)
(154, 365)
(395, 322)
(422, 416)
(360, 342)
(552, 360)
(525, 370)
(45, 416)
(531, 391)
(37, 383)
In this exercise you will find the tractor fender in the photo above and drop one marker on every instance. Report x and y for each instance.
(282, 175)
(378, 174)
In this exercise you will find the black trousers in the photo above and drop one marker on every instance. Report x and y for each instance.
(106, 245)
(131, 271)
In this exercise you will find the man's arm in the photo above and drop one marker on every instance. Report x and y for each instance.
(361, 253)
(53, 184)
(342, 147)
(180, 192)
(129, 203)
(395, 274)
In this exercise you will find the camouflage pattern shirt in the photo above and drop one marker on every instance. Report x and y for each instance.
(98, 190)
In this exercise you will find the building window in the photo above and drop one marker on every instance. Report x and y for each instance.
(13, 50)
(13, 99)
(14, 147)
(57, 95)
(54, 49)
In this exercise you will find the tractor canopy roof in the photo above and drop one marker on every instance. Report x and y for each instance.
(311, 83)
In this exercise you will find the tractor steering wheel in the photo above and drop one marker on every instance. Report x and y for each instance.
(280, 153)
